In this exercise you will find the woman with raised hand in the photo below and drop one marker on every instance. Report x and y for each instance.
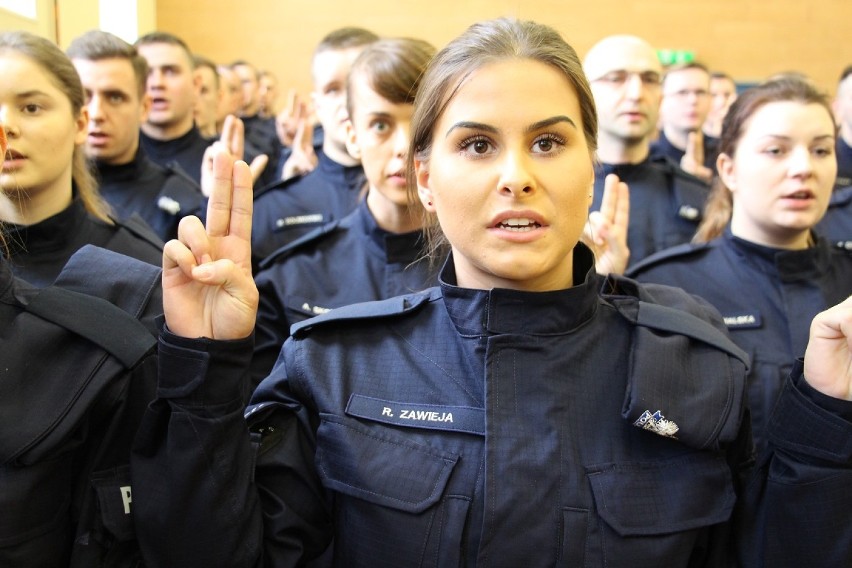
(758, 259)
(49, 201)
(524, 412)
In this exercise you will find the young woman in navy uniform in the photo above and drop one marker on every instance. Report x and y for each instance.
(376, 252)
(759, 261)
(526, 412)
(49, 201)
(79, 365)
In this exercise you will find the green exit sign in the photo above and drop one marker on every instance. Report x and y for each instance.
(675, 56)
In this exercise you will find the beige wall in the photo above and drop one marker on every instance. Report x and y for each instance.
(748, 38)
(63, 20)
(44, 24)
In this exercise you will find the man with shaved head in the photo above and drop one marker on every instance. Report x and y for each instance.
(665, 201)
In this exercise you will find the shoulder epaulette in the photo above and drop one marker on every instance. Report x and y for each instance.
(677, 251)
(292, 247)
(137, 226)
(101, 294)
(390, 307)
(687, 377)
(673, 168)
(180, 195)
(276, 185)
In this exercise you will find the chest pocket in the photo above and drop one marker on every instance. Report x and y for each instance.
(657, 513)
(389, 490)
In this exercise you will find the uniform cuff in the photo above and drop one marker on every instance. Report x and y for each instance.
(810, 423)
(203, 372)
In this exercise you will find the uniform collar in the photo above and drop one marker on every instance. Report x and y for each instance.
(395, 247)
(168, 148)
(348, 177)
(789, 265)
(132, 170)
(50, 234)
(502, 311)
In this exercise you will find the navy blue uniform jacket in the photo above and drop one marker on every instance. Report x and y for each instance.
(666, 204)
(186, 151)
(162, 196)
(766, 296)
(492, 428)
(38, 252)
(288, 210)
(345, 262)
(836, 225)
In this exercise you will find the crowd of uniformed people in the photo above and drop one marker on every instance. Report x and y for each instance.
(486, 304)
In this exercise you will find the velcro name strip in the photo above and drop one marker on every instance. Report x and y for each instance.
(416, 415)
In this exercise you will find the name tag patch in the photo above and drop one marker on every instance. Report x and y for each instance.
(416, 415)
(743, 321)
(298, 220)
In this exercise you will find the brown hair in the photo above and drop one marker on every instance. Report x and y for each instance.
(719, 206)
(484, 43)
(392, 68)
(344, 38)
(95, 45)
(59, 67)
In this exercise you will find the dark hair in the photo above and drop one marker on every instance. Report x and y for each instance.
(721, 75)
(199, 61)
(481, 44)
(719, 206)
(58, 66)
(344, 38)
(845, 73)
(392, 68)
(95, 45)
(167, 38)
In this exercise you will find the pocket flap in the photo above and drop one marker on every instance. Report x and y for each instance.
(114, 501)
(649, 498)
(381, 467)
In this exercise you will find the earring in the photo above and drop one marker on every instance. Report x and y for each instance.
(430, 204)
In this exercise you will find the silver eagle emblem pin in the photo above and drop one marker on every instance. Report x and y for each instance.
(657, 423)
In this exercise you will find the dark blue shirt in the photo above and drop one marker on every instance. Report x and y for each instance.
(290, 209)
(666, 204)
(187, 151)
(343, 263)
(836, 225)
(162, 196)
(767, 297)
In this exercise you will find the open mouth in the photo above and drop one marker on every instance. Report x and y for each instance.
(518, 225)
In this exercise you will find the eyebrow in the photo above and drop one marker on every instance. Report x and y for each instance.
(531, 128)
(33, 93)
(782, 137)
